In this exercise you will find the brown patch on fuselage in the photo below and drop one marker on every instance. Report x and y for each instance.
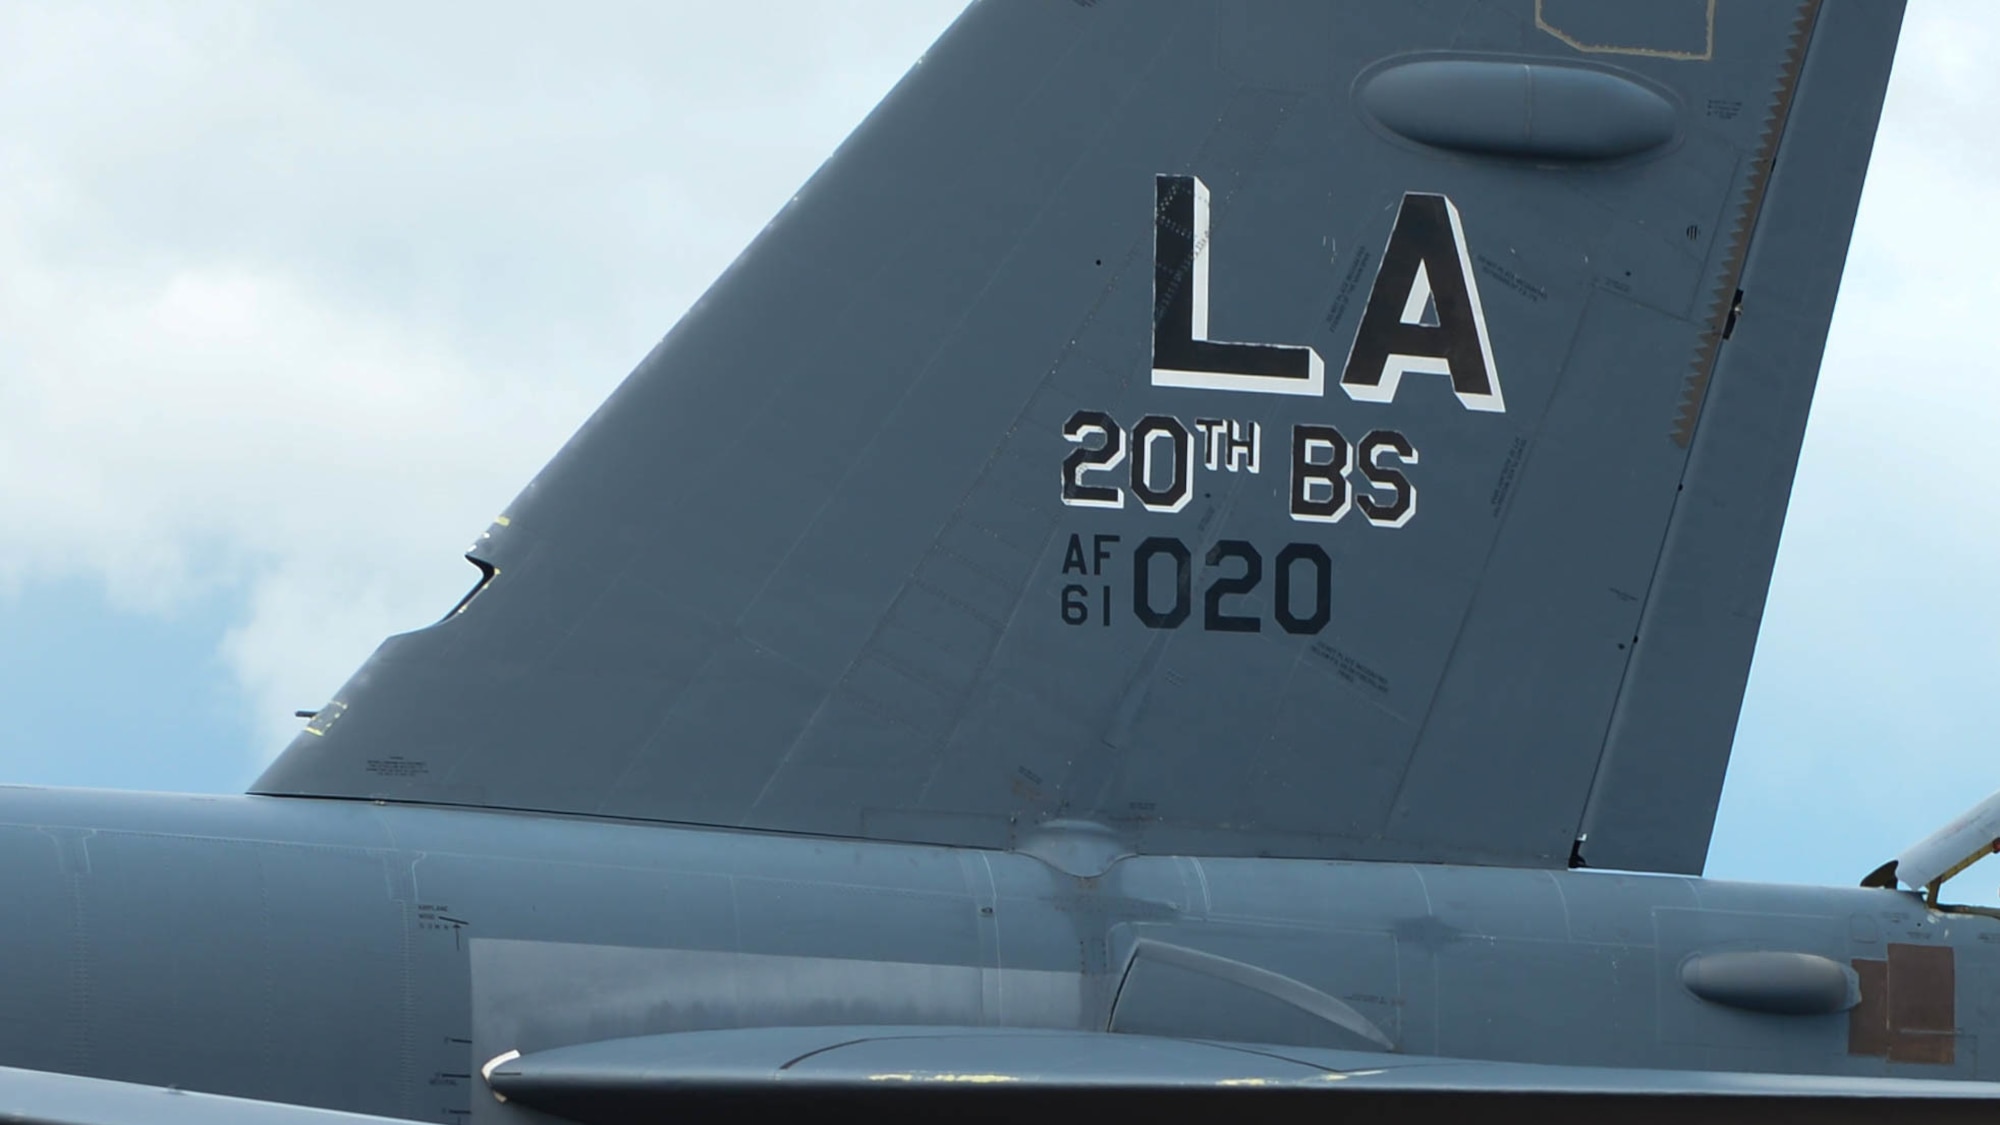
(1908, 1010)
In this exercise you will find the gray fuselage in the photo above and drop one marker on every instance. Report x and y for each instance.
(371, 957)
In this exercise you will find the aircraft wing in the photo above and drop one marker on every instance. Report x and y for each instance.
(35, 1097)
(971, 1075)
(887, 1074)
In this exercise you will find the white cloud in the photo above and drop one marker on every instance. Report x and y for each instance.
(296, 299)
(229, 425)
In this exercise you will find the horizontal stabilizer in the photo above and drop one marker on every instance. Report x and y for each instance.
(893, 1074)
(36, 1097)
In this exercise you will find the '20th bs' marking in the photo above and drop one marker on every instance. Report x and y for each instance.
(1162, 462)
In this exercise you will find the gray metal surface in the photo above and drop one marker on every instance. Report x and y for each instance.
(992, 1056)
(371, 958)
(835, 559)
(1013, 575)
(33, 1097)
(985, 1074)
(1779, 983)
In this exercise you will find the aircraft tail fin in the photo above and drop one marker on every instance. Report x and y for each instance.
(1290, 427)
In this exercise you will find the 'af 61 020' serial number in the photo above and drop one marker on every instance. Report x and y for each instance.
(1161, 584)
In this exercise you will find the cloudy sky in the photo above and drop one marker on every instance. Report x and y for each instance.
(294, 298)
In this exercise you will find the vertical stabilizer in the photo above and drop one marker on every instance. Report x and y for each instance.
(1249, 427)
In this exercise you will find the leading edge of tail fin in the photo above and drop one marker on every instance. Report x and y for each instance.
(1256, 428)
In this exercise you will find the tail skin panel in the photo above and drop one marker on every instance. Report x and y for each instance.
(1250, 427)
